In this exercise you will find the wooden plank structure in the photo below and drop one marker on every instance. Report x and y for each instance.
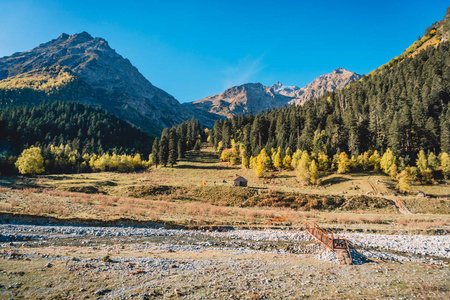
(330, 240)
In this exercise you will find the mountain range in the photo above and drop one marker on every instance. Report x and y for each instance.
(255, 97)
(85, 69)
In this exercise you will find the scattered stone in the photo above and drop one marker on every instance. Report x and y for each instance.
(136, 272)
(102, 292)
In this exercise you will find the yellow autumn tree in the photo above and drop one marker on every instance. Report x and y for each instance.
(303, 174)
(374, 160)
(404, 180)
(277, 162)
(445, 164)
(387, 160)
(314, 172)
(287, 160)
(30, 161)
(343, 164)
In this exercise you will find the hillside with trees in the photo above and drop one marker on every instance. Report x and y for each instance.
(405, 108)
(403, 111)
(67, 132)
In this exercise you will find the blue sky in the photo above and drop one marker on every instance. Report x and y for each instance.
(193, 49)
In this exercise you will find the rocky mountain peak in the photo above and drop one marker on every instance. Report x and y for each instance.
(119, 86)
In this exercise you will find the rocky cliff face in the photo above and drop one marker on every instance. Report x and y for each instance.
(250, 97)
(117, 84)
(255, 97)
(336, 80)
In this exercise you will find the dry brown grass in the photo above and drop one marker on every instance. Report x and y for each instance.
(174, 195)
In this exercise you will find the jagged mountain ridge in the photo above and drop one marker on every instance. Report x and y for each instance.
(117, 85)
(255, 97)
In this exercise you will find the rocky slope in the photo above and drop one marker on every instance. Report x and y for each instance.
(255, 97)
(114, 83)
(335, 80)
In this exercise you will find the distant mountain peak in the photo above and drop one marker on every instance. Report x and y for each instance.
(255, 97)
(63, 36)
(79, 38)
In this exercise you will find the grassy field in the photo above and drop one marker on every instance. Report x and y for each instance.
(175, 196)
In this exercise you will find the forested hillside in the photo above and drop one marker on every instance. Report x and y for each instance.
(46, 84)
(404, 108)
(85, 129)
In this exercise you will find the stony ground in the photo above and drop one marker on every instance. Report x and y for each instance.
(59, 262)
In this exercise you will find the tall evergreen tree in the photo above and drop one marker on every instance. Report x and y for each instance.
(155, 152)
(173, 145)
(164, 147)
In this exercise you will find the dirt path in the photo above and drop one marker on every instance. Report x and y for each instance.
(375, 190)
(401, 207)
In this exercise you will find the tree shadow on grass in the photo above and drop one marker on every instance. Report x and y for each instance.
(215, 167)
(334, 180)
(285, 176)
(202, 157)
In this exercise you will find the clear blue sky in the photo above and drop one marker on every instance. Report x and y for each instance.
(193, 49)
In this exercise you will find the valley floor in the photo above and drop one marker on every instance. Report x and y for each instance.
(161, 234)
(76, 262)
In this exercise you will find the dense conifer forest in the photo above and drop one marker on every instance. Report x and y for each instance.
(86, 129)
(72, 137)
(404, 108)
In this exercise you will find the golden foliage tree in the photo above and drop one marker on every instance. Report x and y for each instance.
(404, 180)
(374, 160)
(324, 161)
(287, 160)
(30, 161)
(277, 162)
(387, 160)
(445, 165)
(314, 172)
(303, 174)
(343, 163)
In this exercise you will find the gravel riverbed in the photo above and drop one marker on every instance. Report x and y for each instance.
(77, 262)
(381, 246)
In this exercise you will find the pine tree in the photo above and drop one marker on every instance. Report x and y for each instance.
(173, 146)
(164, 147)
(198, 145)
(155, 152)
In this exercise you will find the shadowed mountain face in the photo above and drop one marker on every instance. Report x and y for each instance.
(115, 84)
(255, 97)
